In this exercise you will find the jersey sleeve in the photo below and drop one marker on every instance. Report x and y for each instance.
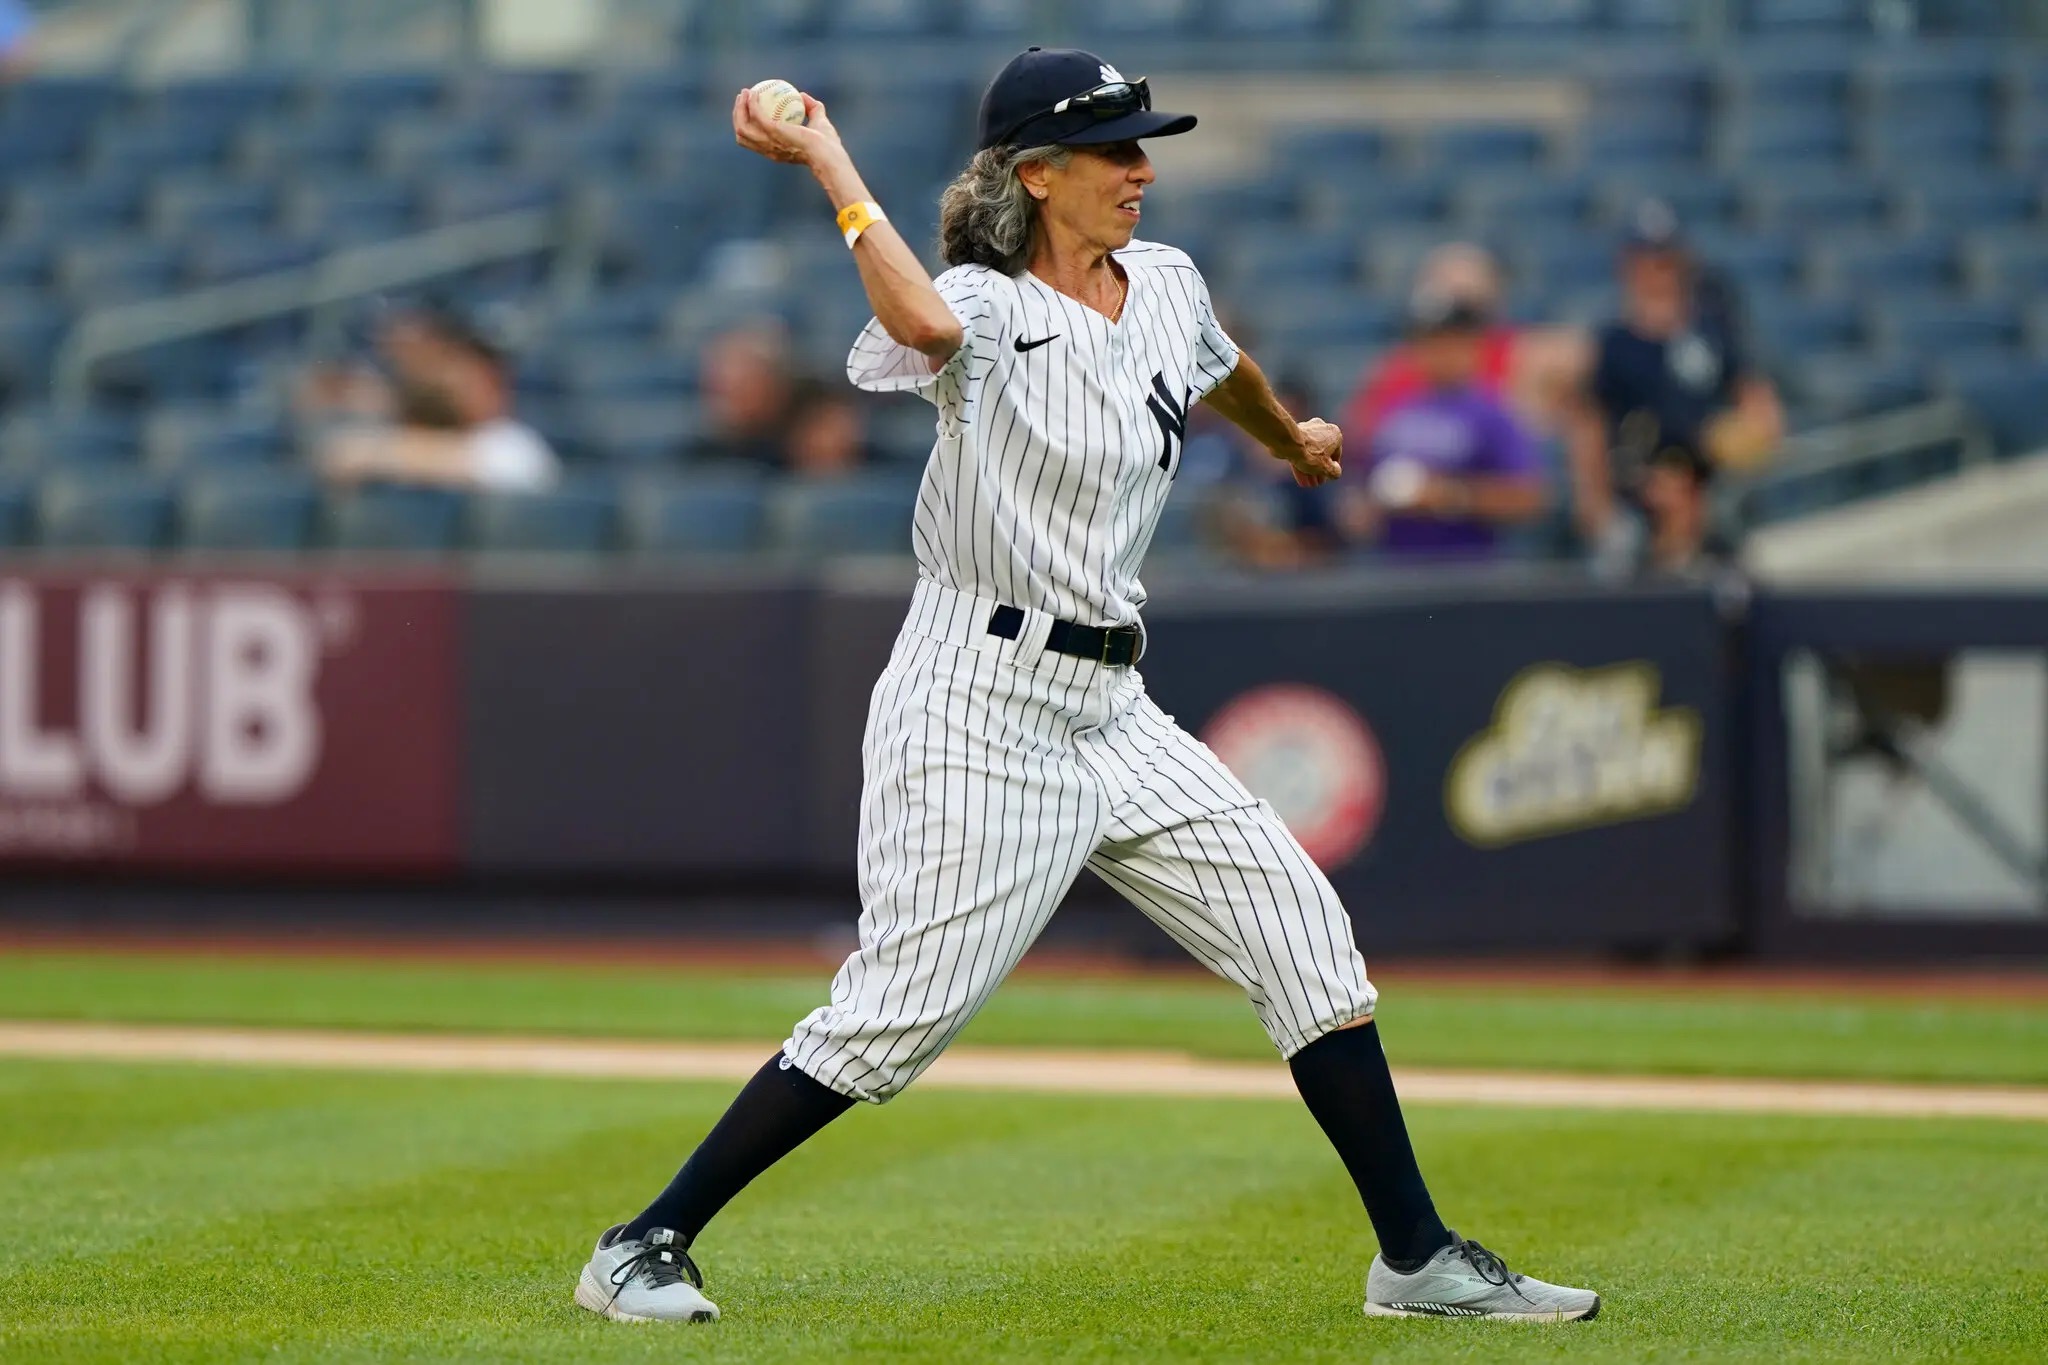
(1215, 353)
(880, 364)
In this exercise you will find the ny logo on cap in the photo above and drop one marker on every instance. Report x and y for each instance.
(1110, 75)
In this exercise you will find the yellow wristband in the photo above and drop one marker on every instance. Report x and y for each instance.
(855, 219)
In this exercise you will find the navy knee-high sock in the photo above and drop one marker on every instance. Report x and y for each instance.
(1344, 1077)
(772, 1115)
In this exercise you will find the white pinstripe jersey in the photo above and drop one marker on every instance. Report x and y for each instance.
(1059, 432)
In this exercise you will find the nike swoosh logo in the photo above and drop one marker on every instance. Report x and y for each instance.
(1022, 345)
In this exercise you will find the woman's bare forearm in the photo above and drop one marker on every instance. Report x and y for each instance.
(905, 300)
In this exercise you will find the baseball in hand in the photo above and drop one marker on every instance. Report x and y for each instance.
(778, 102)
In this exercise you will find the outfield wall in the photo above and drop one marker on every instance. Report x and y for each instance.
(1480, 764)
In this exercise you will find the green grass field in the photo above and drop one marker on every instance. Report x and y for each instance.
(1564, 1028)
(182, 1213)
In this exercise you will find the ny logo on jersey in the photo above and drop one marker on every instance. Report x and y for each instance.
(1172, 416)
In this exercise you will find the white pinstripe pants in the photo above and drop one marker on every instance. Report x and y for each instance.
(994, 772)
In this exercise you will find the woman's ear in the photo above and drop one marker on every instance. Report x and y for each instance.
(1033, 174)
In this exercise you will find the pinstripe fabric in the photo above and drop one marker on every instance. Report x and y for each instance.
(1046, 479)
(994, 772)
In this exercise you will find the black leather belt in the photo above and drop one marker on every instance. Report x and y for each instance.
(1117, 646)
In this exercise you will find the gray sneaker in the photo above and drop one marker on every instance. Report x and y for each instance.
(1465, 1280)
(649, 1280)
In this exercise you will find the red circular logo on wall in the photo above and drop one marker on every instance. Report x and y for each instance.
(1313, 758)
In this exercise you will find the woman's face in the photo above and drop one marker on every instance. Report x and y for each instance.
(1095, 195)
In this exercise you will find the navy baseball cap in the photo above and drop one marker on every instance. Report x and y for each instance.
(1065, 95)
(1653, 228)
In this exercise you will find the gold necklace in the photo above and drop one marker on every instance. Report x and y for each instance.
(1123, 292)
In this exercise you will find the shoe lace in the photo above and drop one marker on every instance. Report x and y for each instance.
(1490, 1267)
(660, 1265)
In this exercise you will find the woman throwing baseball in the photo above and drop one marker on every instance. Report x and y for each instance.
(1010, 742)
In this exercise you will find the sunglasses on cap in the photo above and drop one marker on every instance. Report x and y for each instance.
(1113, 100)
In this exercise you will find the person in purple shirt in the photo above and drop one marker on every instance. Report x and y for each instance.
(1448, 467)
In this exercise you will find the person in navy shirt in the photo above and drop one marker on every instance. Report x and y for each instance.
(1448, 466)
(1671, 396)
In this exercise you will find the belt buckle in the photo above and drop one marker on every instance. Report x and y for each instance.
(1108, 643)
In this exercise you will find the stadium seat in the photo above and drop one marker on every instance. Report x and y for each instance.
(680, 157)
(31, 329)
(1909, 138)
(417, 147)
(612, 317)
(182, 440)
(1427, 20)
(1703, 201)
(26, 150)
(1872, 266)
(998, 18)
(1371, 203)
(74, 210)
(2009, 262)
(139, 150)
(522, 92)
(1967, 199)
(1539, 19)
(345, 211)
(1769, 137)
(118, 270)
(26, 265)
(2005, 391)
(1816, 202)
(1464, 149)
(607, 147)
(388, 92)
(51, 437)
(1328, 257)
(1837, 388)
(1651, 142)
(1308, 317)
(1278, 18)
(650, 95)
(190, 208)
(703, 514)
(1319, 150)
(220, 101)
(216, 259)
(386, 518)
(1758, 261)
(104, 509)
(336, 144)
(885, 19)
(461, 196)
(1784, 18)
(624, 371)
(250, 510)
(50, 102)
(1652, 18)
(196, 369)
(1179, 534)
(641, 433)
(1518, 203)
(1938, 325)
(17, 509)
(1787, 325)
(1138, 18)
(575, 519)
(866, 514)
(1559, 262)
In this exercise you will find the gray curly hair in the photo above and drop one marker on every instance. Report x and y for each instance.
(986, 216)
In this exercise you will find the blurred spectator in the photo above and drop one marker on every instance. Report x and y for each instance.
(1530, 367)
(1447, 465)
(747, 390)
(17, 38)
(1669, 388)
(443, 415)
(827, 431)
(1261, 515)
(1675, 492)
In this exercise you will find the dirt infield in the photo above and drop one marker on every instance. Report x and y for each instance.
(1071, 1073)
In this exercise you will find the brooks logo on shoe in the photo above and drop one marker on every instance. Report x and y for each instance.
(1441, 1310)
